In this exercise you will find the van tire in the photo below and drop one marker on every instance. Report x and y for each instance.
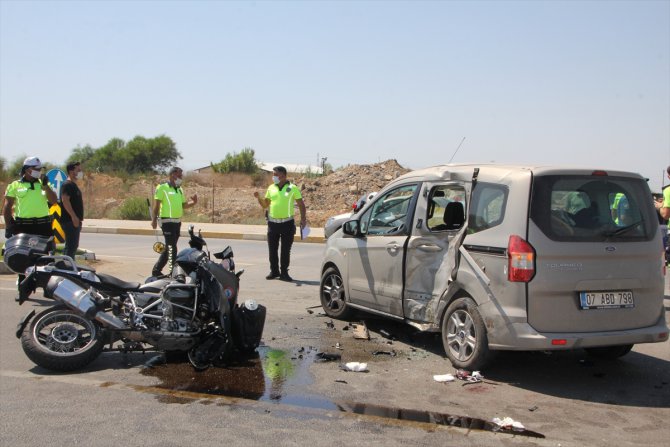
(464, 335)
(609, 352)
(333, 298)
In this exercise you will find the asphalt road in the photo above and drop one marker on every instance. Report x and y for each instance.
(286, 397)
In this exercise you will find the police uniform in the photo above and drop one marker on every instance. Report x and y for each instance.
(281, 225)
(31, 209)
(172, 202)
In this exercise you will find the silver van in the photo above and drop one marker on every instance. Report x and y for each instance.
(506, 258)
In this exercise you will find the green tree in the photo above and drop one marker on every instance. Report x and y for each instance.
(245, 162)
(81, 154)
(139, 155)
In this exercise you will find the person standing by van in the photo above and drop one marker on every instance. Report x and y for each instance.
(169, 205)
(72, 216)
(279, 200)
(663, 207)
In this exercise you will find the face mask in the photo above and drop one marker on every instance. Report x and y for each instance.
(35, 174)
(275, 179)
(80, 175)
(177, 182)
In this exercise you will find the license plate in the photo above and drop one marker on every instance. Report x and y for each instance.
(611, 299)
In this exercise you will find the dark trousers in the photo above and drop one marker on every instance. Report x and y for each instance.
(71, 238)
(26, 226)
(171, 234)
(283, 232)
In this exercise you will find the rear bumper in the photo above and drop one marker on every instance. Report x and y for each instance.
(522, 337)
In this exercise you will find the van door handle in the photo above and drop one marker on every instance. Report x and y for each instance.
(392, 247)
(431, 248)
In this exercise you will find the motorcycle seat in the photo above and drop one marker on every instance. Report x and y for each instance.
(116, 283)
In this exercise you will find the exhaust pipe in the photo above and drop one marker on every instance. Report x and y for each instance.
(80, 300)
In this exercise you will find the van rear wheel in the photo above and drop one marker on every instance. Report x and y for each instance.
(609, 352)
(464, 335)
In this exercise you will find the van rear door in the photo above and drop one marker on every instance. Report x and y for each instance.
(598, 253)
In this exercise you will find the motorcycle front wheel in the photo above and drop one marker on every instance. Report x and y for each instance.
(61, 340)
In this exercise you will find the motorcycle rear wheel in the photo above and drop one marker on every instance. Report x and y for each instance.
(61, 340)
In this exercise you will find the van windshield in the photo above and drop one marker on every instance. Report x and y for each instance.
(593, 208)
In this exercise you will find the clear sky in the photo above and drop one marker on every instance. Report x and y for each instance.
(584, 83)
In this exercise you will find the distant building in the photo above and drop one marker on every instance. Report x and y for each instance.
(267, 167)
(292, 168)
(204, 170)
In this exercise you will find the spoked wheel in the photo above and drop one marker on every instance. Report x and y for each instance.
(464, 335)
(333, 298)
(62, 340)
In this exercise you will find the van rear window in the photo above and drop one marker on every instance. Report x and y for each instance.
(593, 208)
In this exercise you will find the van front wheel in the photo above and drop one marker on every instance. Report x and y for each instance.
(464, 335)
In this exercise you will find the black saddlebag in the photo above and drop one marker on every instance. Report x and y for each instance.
(22, 250)
(248, 323)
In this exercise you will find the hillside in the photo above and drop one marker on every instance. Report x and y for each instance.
(229, 198)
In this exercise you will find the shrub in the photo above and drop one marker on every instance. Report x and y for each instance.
(134, 208)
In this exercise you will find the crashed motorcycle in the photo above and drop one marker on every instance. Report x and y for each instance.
(193, 312)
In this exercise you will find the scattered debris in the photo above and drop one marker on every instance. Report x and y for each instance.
(444, 378)
(508, 423)
(341, 381)
(386, 334)
(533, 408)
(330, 324)
(309, 311)
(361, 331)
(356, 366)
(391, 353)
(338, 346)
(327, 357)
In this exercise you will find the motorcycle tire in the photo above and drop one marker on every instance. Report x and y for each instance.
(61, 340)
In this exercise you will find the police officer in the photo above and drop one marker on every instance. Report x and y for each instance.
(26, 207)
(279, 200)
(169, 205)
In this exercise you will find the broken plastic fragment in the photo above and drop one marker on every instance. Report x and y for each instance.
(326, 357)
(361, 331)
(509, 423)
(444, 378)
(356, 366)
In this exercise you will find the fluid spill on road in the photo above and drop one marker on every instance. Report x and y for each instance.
(270, 375)
(277, 376)
(431, 417)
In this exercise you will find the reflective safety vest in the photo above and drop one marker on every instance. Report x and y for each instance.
(172, 201)
(282, 200)
(29, 199)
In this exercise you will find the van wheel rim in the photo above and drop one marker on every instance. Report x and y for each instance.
(461, 335)
(333, 292)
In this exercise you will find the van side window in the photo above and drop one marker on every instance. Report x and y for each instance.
(446, 208)
(487, 206)
(389, 213)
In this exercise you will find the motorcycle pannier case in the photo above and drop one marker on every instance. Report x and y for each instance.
(22, 250)
(248, 323)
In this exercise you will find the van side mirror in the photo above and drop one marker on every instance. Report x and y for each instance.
(351, 228)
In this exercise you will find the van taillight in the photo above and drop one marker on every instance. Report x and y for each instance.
(520, 260)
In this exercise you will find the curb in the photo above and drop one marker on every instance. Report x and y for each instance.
(205, 234)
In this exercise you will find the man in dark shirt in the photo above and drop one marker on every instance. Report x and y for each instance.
(72, 209)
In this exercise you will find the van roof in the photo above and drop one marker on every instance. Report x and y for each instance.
(459, 170)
